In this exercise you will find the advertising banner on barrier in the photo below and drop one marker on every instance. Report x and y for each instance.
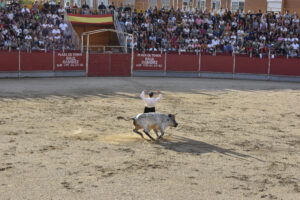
(69, 61)
(149, 61)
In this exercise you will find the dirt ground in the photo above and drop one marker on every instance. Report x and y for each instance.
(60, 139)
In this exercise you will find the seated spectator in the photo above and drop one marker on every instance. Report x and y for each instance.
(35, 8)
(46, 7)
(25, 10)
(127, 8)
(3, 4)
(52, 6)
(63, 27)
(15, 4)
(295, 46)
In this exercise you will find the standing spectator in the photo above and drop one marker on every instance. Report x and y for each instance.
(102, 9)
(85, 8)
(67, 7)
(112, 8)
(120, 9)
(74, 8)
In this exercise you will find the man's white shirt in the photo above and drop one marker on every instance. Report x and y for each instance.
(150, 102)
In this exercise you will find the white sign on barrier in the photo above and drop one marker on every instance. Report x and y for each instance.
(149, 60)
(69, 60)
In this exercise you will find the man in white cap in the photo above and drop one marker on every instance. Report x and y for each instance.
(150, 101)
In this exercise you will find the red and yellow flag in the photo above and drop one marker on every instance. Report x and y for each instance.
(90, 19)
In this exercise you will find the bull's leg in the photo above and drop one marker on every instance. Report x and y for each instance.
(136, 131)
(147, 133)
(162, 132)
(156, 132)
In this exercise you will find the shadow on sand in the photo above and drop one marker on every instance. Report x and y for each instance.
(186, 145)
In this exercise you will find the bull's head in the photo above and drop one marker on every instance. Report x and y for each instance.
(172, 121)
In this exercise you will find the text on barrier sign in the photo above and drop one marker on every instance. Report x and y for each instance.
(149, 60)
(69, 60)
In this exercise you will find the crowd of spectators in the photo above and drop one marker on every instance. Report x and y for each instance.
(22, 28)
(43, 27)
(213, 32)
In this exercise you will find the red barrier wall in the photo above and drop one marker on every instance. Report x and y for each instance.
(284, 66)
(186, 63)
(149, 61)
(120, 64)
(98, 65)
(69, 61)
(219, 63)
(9, 61)
(36, 61)
(245, 64)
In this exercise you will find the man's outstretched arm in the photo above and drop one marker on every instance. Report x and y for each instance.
(142, 95)
(159, 96)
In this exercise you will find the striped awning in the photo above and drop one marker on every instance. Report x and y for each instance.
(90, 19)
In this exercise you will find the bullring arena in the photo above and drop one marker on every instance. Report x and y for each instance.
(70, 71)
(236, 139)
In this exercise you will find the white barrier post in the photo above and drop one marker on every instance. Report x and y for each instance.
(165, 65)
(132, 54)
(53, 64)
(19, 66)
(269, 64)
(109, 62)
(233, 73)
(87, 56)
(199, 65)
(126, 40)
(81, 43)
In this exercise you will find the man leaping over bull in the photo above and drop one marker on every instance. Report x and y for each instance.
(150, 120)
(151, 101)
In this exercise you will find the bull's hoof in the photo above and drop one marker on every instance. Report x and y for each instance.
(160, 137)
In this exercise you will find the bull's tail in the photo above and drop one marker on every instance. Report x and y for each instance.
(125, 118)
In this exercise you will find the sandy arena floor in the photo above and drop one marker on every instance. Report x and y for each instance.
(60, 139)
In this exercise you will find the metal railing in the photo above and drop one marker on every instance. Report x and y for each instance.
(106, 49)
(122, 39)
